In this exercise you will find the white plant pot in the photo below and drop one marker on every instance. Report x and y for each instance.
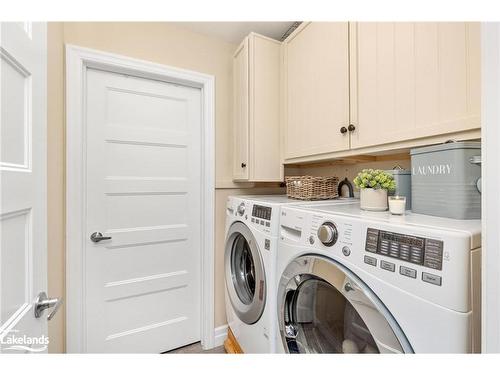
(373, 199)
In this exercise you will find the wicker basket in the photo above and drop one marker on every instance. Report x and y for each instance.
(312, 188)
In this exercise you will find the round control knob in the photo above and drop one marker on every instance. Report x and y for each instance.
(327, 234)
(241, 209)
(351, 128)
(346, 251)
(343, 130)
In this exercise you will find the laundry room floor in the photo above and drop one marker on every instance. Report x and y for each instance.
(197, 349)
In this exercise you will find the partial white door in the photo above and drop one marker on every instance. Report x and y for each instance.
(23, 224)
(143, 191)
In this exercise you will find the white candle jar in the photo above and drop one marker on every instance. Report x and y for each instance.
(397, 205)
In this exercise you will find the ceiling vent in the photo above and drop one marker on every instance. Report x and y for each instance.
(290, 30)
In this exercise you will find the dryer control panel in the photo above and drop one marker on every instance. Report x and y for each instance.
(418, 250)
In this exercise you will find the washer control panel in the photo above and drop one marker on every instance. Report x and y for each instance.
(261, 212)
(417, 250)
(261, 215)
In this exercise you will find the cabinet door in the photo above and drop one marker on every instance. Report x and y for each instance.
(240, 107)
(265, 67)
(413, 80)
(317, 89)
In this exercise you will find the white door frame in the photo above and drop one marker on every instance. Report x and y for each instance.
(78, 59)
(490, 115)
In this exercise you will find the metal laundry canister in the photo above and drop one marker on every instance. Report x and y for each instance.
(445, 180)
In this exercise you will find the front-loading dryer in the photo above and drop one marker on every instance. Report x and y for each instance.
(351, 281)
(252, 225)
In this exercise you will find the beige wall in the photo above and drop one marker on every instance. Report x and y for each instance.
(55, 180)
(350, 170)
(158, 42)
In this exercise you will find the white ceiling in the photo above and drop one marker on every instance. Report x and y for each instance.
(234, 32)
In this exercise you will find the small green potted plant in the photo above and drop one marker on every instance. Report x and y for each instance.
(373, 185)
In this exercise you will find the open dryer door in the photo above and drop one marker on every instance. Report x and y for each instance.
(245, 276)
(323, 307)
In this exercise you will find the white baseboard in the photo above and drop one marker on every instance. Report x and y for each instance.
(220, 334)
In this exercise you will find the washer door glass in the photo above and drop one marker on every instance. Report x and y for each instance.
(325, 308)
(243, 269)
(325, 321)
(245, 275)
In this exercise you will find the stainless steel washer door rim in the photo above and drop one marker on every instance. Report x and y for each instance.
(244, 273)
(323, 307)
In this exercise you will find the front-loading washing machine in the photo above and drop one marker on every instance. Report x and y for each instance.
(252, 224)
(352, 281)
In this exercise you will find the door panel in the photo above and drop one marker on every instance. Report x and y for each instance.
(143, 190)
(23, 227)
(325, 308)
(240, 115)
(245, 274)
(264, 131)
(413, 80)
(317, 93)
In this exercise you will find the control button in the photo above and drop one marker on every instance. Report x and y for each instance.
(371, 260)
(387, 266)
(433, 257)
(404, 252)
(431, 279)
(384, 251)
(408, 272)
(241, 209)
(253, 220)
(346, 251)
(394, 250)
(267, 244)
(416, 255)
(371, 243)
(268, 224)
(311, 240)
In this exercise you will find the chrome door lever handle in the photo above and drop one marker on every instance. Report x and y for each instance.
(42, 303)
(98, 237)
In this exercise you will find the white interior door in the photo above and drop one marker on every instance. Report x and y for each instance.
(143, 190)
(23, 224)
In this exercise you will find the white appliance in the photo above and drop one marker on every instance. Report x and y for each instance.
(252, 225)
(353, 281)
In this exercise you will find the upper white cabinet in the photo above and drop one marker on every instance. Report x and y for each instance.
(413, 80)
(371, 87)
(256, 92)
(316, 73)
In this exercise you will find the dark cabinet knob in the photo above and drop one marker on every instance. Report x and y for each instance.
(351, 127)
(343, 130)
(243, 165)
